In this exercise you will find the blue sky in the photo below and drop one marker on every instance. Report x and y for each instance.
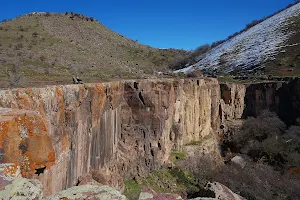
(180, 24)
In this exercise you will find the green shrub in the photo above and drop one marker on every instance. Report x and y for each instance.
(132, 189)
(174, 180)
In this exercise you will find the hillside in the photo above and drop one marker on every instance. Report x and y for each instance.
(44, 48)
(270, 47)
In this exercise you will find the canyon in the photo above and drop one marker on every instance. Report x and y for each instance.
(124, 129)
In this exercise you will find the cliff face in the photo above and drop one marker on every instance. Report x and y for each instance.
(58, 134)
(282, 98)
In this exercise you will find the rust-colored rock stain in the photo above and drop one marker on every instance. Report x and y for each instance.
(25, 142)
(3, 132)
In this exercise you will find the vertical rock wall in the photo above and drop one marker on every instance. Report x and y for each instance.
(57, 134)
(282, 98)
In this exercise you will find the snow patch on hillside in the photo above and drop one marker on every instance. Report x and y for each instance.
(251, 49)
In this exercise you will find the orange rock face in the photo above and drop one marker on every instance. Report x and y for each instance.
(25, 142)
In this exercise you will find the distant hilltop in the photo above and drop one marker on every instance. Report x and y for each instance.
(49, 48)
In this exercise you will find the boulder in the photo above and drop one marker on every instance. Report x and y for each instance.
(239, 161)
(21, 188)
(27, 189)
(89, 192)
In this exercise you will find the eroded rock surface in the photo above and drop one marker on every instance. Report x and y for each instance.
(124, 129)
(59, 133)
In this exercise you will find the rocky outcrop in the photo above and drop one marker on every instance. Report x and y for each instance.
(282, 98)
(221, 193)
(59, 134)
(232, 101)
(88, 192)
(21, 188)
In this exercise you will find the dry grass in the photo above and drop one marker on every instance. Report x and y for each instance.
(62, 47)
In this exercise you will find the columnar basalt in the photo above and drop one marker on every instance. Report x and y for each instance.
(58, 134)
